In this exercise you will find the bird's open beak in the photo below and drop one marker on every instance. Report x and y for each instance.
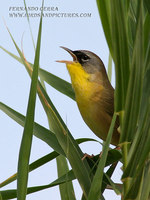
(71, 53)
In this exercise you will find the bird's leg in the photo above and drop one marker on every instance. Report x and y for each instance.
(117, 148)
(100, 155)
(87, 156)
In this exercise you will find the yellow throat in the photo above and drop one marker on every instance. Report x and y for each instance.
(79, 79)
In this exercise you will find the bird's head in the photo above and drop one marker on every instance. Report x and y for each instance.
(86, 60)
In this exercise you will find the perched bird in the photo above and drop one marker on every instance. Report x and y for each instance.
(93, 92)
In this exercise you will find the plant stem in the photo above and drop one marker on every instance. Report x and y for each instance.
(125, 162)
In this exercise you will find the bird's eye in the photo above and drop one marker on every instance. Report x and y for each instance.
(84, 58)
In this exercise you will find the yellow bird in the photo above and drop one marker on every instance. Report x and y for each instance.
(93, 92)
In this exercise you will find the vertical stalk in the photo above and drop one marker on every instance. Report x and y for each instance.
(125, 162)
(109, 67)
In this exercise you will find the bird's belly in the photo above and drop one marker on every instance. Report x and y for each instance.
(95, 117)
(89, 97)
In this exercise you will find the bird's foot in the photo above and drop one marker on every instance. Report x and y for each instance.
(87, 156)
(117, 148)
(100, 155)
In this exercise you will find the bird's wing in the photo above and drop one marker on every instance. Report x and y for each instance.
(108, 98)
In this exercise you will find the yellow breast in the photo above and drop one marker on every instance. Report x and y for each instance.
(88, 97)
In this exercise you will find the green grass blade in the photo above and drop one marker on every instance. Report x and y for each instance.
(110, 67)
(41, 132)
(140, 149)
(36, 164)
(29, 24)
(28, 19)
(54, 81)
(131, 24)
(147, 5)
(142, 185)
(145, 191)
(134, 188)
(135, 83)
(106, 175)
(69, 176)
(26, 142)
(136, 127)
(120, 52)
(43, 160)
(95, 190)
(113, 156)
(66, 189)
(104, 11)
(106, 180)
(111, 22)
(11, 194)
(114, 186)
(38, 130)
(146, 33)
(11, 54)
(58, 83)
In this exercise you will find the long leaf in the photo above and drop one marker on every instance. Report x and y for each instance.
(38, 130)
(135, 83)
(28, 19)
(54, 81)
(26, 142)
(113, 157)
(146, 33)
(58, 83)
(107, 176)
(104, 11)
(36, 164)
(147, 5)
(69, 176)
(66, 189)
(134, 95)
(114, 186)
(11, 194)
(95, 190)
(110, 67)
(41, 132)
(144, 194)
(120, 52)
